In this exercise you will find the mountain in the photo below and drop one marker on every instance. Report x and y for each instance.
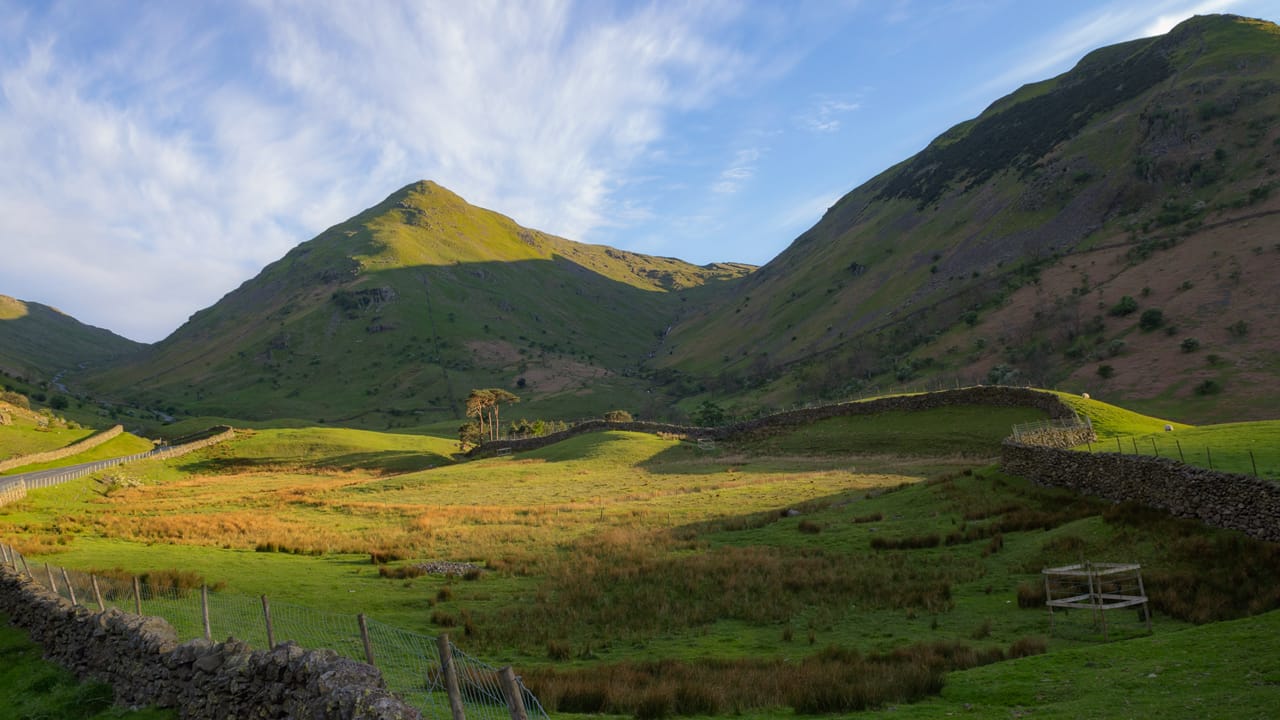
(403, 309)
(1004, 250)
(37, 341)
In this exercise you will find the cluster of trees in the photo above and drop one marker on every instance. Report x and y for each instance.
(483, 405)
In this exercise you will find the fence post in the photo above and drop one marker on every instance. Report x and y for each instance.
(5, 549)
(1118, 448)
(137, 596)
(1181, 457)
(1255, 463)
(511, 688)
(1208, 454)
(450, 678)
(364, 637)
(1135, 445)
(97, 593)
(52, 585)
(1154, 449)
(71, 589)
(204, 611)
(26, 568)
(271, 631)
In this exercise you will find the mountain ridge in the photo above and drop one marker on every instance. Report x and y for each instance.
(443, 296)
(916, 255)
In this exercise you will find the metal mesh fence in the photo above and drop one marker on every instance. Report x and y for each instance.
(409, 661)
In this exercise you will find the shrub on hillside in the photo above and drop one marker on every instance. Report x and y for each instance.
(1151, 319)
(1126, 306)
(1190, 345)
(618, 416)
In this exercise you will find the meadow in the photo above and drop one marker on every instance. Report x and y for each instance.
(845, 565)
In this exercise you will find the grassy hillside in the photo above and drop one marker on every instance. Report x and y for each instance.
(392, 317)
(629, 573)
(999, 252)
(37, 341)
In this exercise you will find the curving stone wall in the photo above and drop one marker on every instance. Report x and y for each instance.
(1224, 500)
(141, 658)
(997, 396)
(73, 449)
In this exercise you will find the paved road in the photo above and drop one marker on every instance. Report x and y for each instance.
(53, 476)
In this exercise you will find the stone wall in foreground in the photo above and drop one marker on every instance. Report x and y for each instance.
(1224, 500)
(141, 658)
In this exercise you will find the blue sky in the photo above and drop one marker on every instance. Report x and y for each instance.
(158, 154)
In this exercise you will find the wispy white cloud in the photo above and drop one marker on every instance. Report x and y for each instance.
(823, 116)
(523, 106)
(741, 169)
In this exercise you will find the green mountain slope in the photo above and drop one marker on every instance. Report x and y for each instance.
(1161, 150)
(36, 341)
(403, 309)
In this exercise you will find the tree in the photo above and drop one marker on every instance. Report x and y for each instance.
(709, 414)
(618, 416)
(469, 435)
(483, 404)
(499, 396)
(478, 402)
(1151, 319)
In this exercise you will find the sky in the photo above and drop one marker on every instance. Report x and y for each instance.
(155, 155)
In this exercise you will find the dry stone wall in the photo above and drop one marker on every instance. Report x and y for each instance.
(1224, 500)
(73, 449)
(141, 658)
(997, 396)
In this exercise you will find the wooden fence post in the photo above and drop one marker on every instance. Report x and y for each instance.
(1181, 458)
(511, 688)
(364, 637)
(97, 593)
(1255, 462)
(450, 678)
(26, 568)
(204, 611)
(5, 549)
(71, 589)
(137, 596)
(52, 585)
(271, 631)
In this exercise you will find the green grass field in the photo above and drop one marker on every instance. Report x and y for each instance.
(1251, 448)
(757, 572)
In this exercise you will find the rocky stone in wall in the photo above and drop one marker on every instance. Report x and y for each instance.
(1224, 500)
(141, 658)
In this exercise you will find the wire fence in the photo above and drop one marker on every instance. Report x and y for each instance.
(409, 662)
(1260, 462)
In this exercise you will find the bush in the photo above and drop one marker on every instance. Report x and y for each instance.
(1190, 345)
(1239, 328)
(1126, 306)
(618, 416)
(1151, 319)
(1106, 371)
(1209, 387)
(1031, 595)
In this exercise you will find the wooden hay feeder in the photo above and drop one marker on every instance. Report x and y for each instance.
(1098, 588)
